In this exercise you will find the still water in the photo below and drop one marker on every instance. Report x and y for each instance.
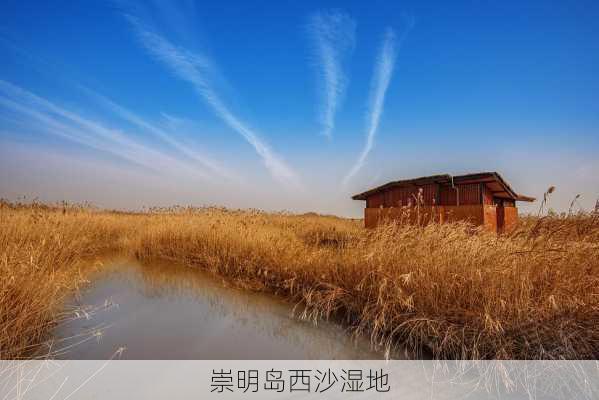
(170, 311)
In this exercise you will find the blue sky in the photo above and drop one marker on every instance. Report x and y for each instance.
(294, 105)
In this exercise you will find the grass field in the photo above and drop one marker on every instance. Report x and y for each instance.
(451, 289)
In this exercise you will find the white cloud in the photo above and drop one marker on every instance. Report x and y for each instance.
(37, 114)
(167, 137)
(380, 83)
(197, 70)
(334, 38)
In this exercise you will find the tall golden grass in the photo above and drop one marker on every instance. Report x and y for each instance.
(42, 254)
(451, 289)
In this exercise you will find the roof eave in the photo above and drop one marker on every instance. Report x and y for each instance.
(522, 197)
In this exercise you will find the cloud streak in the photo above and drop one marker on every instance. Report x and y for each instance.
(198, 69)
(37, 114)
(162, 134)
(333, 34)
(380, 82)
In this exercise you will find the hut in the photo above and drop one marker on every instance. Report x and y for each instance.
(483, 199)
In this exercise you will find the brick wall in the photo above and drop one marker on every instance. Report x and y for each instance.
(408, 215)
(471, 213)
(423, 215)
(511, 218)
(490, 217)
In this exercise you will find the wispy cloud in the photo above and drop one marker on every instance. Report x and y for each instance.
(164, 135)
(38, 114)
(380, 83)
(198, 69)
(333, 34)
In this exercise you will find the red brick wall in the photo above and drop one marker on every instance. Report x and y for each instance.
(490, 217)
(471, 213)
(511, 218)
(412, 215)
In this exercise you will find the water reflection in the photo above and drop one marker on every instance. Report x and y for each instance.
(163, 311)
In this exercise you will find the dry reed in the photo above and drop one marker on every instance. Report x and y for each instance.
(452, 289)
